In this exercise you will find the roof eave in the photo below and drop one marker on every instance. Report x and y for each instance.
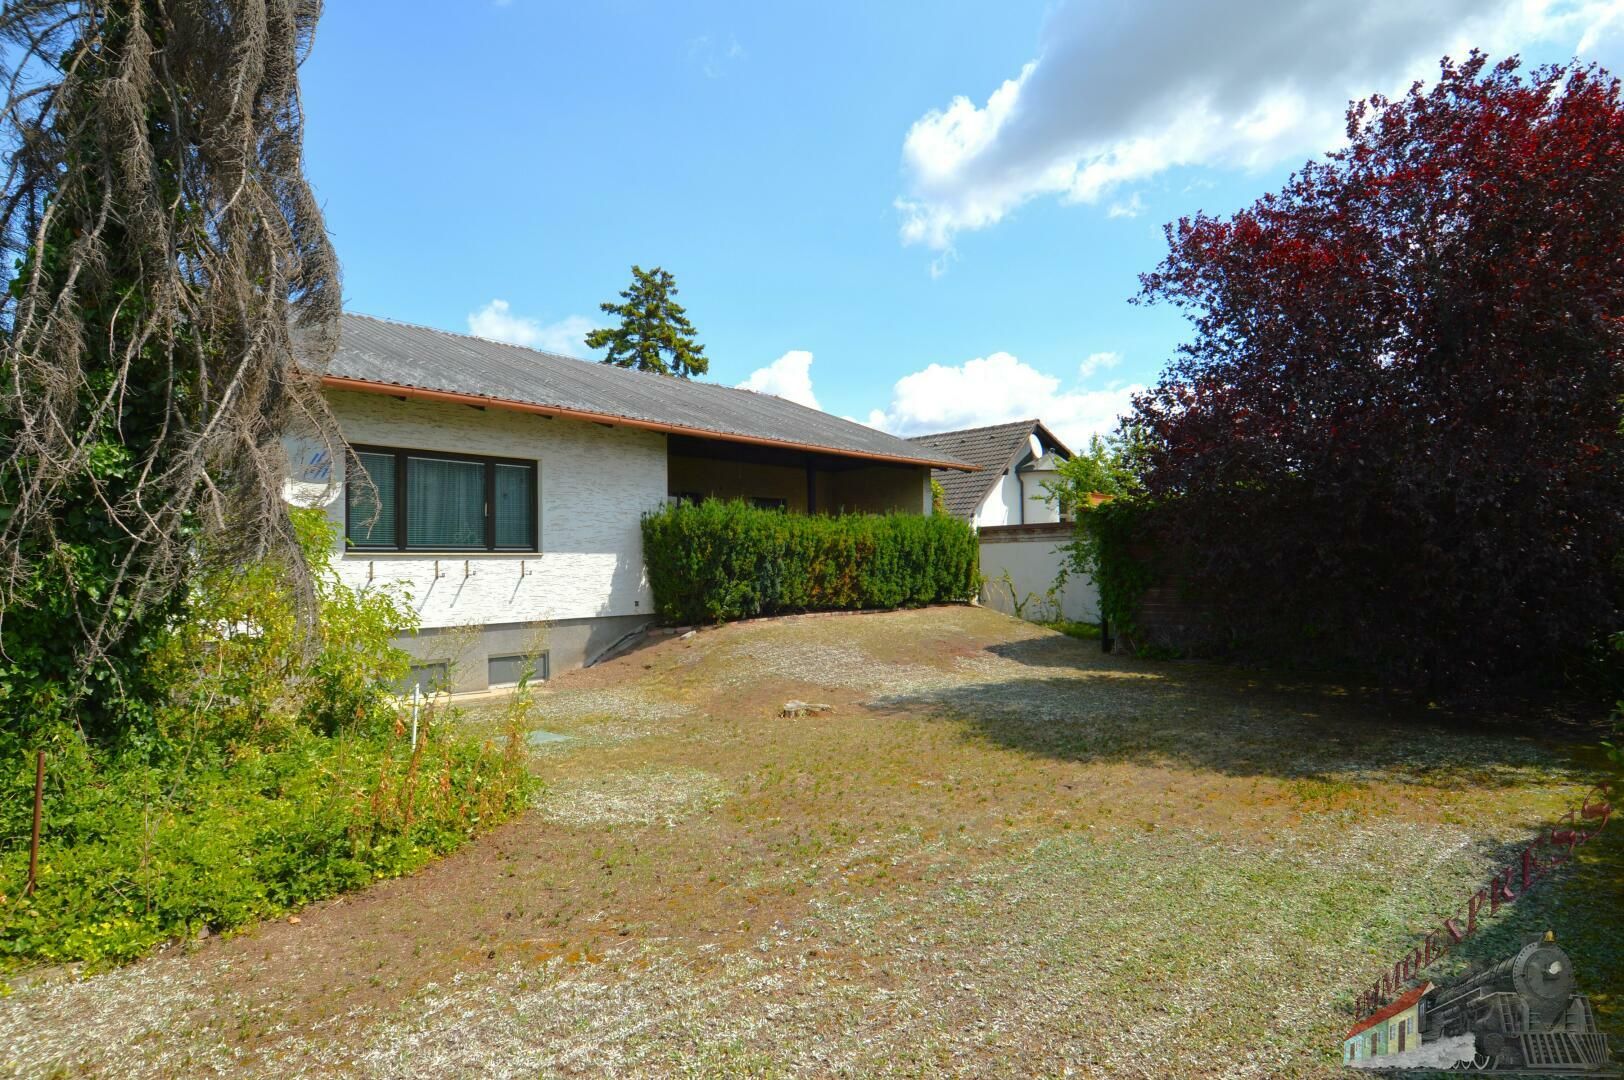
(450, 397)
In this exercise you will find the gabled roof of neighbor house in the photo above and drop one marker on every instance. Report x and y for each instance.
(994, 450)
(383, 357)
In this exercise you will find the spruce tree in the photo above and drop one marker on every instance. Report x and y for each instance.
(654, 332)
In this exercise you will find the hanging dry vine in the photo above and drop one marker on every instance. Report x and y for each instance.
(172, 287)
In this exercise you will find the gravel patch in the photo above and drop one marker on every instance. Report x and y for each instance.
(136, 1021)
(609, 716)
(631, 798)
(836, 665)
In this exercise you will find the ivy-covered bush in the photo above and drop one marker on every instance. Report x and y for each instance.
(714, 561)
(1108, 547)
(242, 668)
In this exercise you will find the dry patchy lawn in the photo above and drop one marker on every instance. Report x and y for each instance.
(1001, 854)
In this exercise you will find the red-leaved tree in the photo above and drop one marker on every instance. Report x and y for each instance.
(1394, 441)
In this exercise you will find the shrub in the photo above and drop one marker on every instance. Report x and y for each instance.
(138, 852)
(1393, 444)
(274, 774)
(1107, 547)
(716, 561)
(243, 668)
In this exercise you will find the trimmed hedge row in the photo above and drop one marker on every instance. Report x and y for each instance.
(715, 561)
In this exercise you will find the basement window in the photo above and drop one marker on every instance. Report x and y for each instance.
(421, 500)
(427, 679)
(508, 670)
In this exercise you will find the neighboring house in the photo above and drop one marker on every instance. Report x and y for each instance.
(510, 485)
(1022, 529)
(1392, 1030)
(1014, 460)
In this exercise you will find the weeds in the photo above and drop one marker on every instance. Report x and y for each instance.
(267, 780)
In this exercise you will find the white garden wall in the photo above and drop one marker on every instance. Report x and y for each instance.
(1032, 555)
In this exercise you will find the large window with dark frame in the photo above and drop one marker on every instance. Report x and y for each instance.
(421, 500)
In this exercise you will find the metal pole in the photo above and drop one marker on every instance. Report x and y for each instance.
(39, 805)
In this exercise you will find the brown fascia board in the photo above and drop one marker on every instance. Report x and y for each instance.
(363, 386)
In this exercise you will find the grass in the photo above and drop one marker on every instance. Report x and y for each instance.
(1084, 631)
(1001, 854)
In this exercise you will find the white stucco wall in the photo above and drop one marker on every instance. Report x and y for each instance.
(1033, 566)
(596, 483)
(1002, 506)
(1039, 508)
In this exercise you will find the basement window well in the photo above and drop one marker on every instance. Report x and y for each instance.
(428, 679)
(504, 671)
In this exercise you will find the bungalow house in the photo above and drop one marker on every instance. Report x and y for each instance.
(1022, 529)
(507, 486)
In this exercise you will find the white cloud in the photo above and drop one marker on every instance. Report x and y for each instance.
(1097, 362)
(713, 55)
(998, 388)
(497, 321)
(1121, 92)
(1132, 208)
(788, 377)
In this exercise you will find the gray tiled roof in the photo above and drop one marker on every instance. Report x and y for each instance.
(994, 449)
(381, 352)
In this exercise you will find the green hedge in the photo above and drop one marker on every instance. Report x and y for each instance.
(716, 561)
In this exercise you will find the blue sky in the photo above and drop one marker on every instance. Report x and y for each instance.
(945, 205)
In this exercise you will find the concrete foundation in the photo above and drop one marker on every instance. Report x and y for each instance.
(461, 656)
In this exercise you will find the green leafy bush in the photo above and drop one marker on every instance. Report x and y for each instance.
(277, 772)
(716, 561)
(138, 851)
(1108, 547)
(242, 668)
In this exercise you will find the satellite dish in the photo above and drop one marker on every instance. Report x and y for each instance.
(307, 496)
(311, 482)
(1035, 444)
